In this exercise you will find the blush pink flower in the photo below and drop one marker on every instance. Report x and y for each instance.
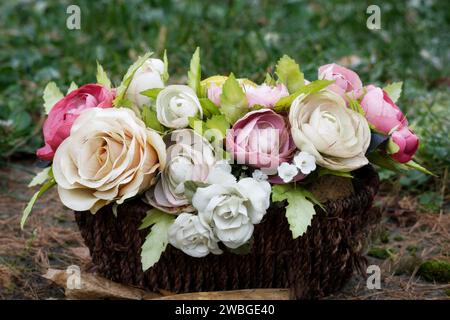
(347, 82)
(65, 111)
(407, 142)
(265, 95)
(381, 111)
(261, 139)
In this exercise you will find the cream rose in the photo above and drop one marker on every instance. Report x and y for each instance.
(189, 157)
(148, 76)
(175, 104)
(335, 135)
(192, 237)
(109, 156)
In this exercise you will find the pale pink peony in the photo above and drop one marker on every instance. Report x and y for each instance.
(347, 82)
(65, 111)
(262, 95)
(265, 95)
(381, 111)
(261, 139)
(408, 143)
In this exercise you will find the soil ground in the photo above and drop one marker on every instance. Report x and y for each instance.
(405, 239)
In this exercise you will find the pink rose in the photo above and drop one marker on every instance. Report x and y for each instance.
(265, 95)
(347, 82)
(408, 143)
(65, 111)
(262, 95)
(261, 139)
(214, 92)
(381, 111)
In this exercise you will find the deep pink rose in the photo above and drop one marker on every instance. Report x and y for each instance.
(261, 139)
(347, 82)
(65, 111)
(407, 142)
(381, 111)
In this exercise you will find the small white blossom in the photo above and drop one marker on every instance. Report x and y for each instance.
(305, 162)
(287, 172)
(258, 175)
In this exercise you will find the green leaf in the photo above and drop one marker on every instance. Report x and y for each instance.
(289, 73)
(151, 120)
(194, 74)
(299, 211)
(218, 122)
(158, 238)
(151, 93)
(325, 171)
(284, 103)
(209, 108)
(165, 75)
(37, 195)
(102, 77)
(414, 165)
(394, 90)
(269, 80)
(198, 125)
(73, 86)
(233, 100)
(41, 177)
(120, 100)
(385, 161)
(355, 106)
(190, 187)
(51, 96)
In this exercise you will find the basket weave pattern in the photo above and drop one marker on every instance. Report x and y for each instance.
(315, 264)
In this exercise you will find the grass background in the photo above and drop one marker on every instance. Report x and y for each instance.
(246, 37)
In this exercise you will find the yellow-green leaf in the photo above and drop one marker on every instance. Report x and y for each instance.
(289, 73)
(102, 77)
(51, 96)
(233, 100)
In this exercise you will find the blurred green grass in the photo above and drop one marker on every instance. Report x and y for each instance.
(246, 37)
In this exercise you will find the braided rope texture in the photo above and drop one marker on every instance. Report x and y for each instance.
(316, 264)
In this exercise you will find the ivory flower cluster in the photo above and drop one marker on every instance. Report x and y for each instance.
(207, 155)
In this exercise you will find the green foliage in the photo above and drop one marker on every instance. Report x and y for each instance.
(289, 73)
(233, 101)
(52, 95)
(315, 86)
(195, 73)
(394, 90)
(151, 93)
(26, 212)
(102, 77)
(41, 177)
(150, 119)
(300, 209)
(156, 241)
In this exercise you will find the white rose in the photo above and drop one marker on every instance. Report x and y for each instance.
(231, 208)
(323, 126)
(148, 76)
(175, 104)
(192, 237)
(190, 157)
(109, 156)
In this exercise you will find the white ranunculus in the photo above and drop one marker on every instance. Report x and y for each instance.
(323, 126)
(148, 76)
(109, 156)
(192, 237)
(231, 208)
(175, 104)
(190, 157)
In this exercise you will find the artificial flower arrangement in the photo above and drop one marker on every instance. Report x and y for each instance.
(211, 156)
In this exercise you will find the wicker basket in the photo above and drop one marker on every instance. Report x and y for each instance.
(316, 264)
